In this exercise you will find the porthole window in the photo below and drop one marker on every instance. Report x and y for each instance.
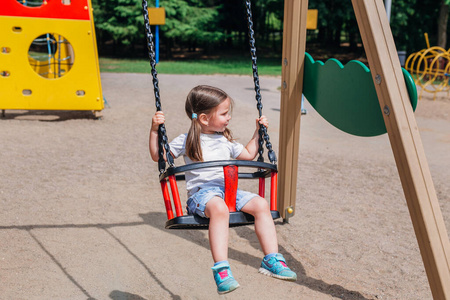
(32, 3)
(51, 55)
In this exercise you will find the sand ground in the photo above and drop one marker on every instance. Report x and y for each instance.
(82, 215)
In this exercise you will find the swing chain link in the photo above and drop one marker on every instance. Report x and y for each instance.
(263, 135)
(163, 141)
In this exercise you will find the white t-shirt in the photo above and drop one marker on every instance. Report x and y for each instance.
(214, 147)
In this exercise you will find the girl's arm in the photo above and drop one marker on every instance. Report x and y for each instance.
(251, 150)
(157, 120)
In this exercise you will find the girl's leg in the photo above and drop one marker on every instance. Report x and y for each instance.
(264, 225)
(217, 212)
(274, 264)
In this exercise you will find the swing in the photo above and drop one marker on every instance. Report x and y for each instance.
(172, 174)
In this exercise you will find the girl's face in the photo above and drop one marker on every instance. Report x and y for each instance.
(218, 119)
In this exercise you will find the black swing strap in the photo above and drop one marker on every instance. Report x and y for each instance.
(163, 141)
(263, 135)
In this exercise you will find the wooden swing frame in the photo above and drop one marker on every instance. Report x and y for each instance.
(401, 126)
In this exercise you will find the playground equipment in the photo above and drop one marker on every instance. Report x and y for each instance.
(349, 100)
(48, 58)
(394, 102)
(431, 69)
(230, 168)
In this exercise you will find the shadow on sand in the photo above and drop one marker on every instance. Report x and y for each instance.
(48, 115)
(157, 220)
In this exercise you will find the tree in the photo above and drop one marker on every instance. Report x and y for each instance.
(218, 24)
(192, 23)
(119, 21)
(336, 22)
(443, 23)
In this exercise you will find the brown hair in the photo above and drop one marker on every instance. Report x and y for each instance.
(202, 99)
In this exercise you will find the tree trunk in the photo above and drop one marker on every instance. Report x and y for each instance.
(442, 25)
(337, 34)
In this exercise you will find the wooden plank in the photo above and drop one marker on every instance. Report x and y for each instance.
(294, 42)
(406, 144)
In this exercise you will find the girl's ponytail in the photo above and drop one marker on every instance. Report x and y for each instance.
(193, 142)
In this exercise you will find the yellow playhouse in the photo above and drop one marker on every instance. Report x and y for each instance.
(48, 56)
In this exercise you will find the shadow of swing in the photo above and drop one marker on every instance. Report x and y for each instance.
(303, 279)
(157, 220)
(115, 295)
(56, 262)
(119, 295)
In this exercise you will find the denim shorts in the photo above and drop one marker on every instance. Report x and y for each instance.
(196, 204)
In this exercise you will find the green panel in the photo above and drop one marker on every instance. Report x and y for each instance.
(412, 90)
(346, 96)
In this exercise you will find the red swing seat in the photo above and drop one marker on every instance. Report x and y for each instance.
(231, 176)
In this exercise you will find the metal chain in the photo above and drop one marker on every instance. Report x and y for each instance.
(162, 136)
(163, 141)
(263, 135)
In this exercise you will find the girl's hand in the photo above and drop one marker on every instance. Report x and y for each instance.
(157, 120)
(263, 121)
(251, 150)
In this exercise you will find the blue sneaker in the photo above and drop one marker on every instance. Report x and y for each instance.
(276, 267)
(224, 278)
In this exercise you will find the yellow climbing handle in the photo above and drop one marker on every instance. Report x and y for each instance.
(430, 69)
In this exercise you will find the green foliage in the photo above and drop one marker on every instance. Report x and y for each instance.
(410, 19)
(402, 14)
(191, 21)
(335, 18)
(119, 20)
(216, 25)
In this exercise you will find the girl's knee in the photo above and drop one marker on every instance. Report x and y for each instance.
(216, 207)
(262, 203)
(257, 205)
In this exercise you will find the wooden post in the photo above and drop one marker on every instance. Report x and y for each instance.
(294, 43)
(406, 144)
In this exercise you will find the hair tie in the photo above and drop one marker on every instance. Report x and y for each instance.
(194, 116)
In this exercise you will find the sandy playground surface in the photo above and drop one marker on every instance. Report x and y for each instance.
(82, 215)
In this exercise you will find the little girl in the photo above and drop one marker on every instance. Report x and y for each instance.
(209, 139)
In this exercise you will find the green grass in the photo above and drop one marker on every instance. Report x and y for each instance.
(237, 66)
